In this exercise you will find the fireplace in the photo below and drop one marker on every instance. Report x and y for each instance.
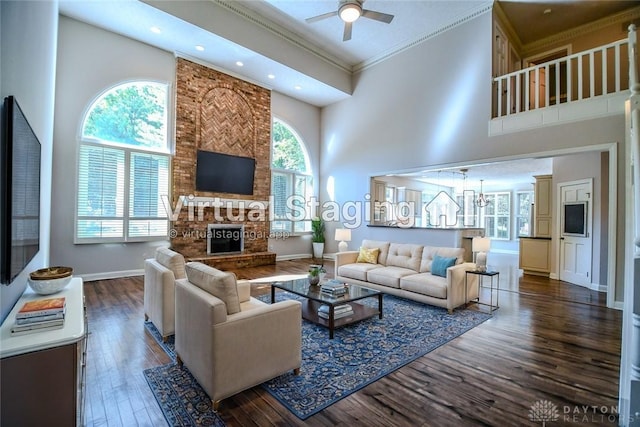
(225, 239)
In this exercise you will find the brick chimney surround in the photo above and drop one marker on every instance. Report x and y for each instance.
(218, 112)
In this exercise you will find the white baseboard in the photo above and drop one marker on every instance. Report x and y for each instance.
(111, 275)
(294, 256)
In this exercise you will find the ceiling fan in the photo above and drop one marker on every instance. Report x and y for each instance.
(349, 11)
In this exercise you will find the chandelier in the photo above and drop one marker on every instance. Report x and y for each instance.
(482, 201)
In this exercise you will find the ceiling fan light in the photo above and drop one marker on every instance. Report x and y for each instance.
(349, 12)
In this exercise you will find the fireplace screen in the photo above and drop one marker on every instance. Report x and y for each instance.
(225, 239)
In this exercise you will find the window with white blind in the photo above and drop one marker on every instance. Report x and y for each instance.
(496, 216)
(123, 166)
(291, 182)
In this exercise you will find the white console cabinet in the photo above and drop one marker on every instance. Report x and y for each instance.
(42, 380)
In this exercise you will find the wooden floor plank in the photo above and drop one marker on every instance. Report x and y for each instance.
(549, 340)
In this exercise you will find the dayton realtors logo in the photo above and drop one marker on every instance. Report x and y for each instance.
(545, 411)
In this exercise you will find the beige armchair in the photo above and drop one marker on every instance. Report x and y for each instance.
(228, 340)
(160, 274)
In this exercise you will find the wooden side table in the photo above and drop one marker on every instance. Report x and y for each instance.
(482, 275)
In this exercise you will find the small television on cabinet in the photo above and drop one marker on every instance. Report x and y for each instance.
(224, 173)
(20, 192)
(574, 219)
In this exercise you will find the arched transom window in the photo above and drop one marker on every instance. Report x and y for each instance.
(291, 181)
(123, 165)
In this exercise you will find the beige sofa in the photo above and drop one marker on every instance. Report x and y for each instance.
(405, 270)
(228, 340)
(160, 274)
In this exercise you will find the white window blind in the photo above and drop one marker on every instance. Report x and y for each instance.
(291, 184)
(124, 166)
(101, 173)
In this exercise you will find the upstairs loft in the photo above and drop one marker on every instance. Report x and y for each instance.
(559, 87)
(589, 84)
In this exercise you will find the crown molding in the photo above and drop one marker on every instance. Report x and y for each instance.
(278, 30)
(401, 48)
(566, 36)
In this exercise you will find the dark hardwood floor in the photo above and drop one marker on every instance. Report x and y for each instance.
(549, 341)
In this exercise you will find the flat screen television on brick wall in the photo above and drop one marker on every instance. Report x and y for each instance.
(19, 191)
(224, 173)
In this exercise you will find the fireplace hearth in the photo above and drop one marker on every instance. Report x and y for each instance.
(225, 239)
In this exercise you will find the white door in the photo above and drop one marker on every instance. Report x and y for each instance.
(576, 232)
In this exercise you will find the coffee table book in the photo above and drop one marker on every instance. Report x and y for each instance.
(38, 319)
(41, 307)
(37, 326)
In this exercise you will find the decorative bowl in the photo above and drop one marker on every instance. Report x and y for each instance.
(50, 280)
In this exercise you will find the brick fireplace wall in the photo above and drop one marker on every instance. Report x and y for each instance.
(218, 112)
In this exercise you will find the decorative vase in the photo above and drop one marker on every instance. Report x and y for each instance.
(318, 250)
(314, 280)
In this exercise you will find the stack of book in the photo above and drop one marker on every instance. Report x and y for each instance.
(333, 288)
(38, 315)
(339, 311)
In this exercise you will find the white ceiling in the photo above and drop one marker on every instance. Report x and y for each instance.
(283, 19)
(516, 173)
(310, 61)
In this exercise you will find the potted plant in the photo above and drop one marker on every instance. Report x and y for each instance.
(317, 237)
(316, 274)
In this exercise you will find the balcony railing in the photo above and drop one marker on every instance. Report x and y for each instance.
(596, 72)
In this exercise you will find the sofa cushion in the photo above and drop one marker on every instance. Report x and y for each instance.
(172, 260)
(428, 252)
(388, 276)
(218, 283)
(440, 264)
(405, 256)
(383, 246)
(368, 255)
(357, 271)
(425, 284)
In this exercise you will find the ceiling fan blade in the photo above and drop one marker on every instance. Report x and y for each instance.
(347, 31)
(378, 16)
(321, 17)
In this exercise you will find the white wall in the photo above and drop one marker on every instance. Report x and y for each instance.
(91, 60)
(305, 120)
(28, 56)
(573, 168)
(430, 106)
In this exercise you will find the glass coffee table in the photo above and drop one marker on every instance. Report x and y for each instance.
(316, 298)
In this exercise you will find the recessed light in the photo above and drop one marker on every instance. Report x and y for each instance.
(239, 63)
(271, 76)
(199, 48)
(297, 87)
(155, 30)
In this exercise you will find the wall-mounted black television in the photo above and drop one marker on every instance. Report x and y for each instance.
(20, 192)
(574, 218)
(224, 173)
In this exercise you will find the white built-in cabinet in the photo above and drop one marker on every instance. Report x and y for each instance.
(543, 207)
(535, 251)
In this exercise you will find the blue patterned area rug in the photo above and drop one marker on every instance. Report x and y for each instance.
(364, 352)
(182, 401)
(360, 353)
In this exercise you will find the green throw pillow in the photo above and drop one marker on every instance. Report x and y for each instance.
(440, 264)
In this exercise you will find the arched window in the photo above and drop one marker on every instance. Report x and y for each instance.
(123, 165)
(291, 181)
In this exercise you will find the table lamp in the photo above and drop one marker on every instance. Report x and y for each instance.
(344, 236)
(480, 246)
